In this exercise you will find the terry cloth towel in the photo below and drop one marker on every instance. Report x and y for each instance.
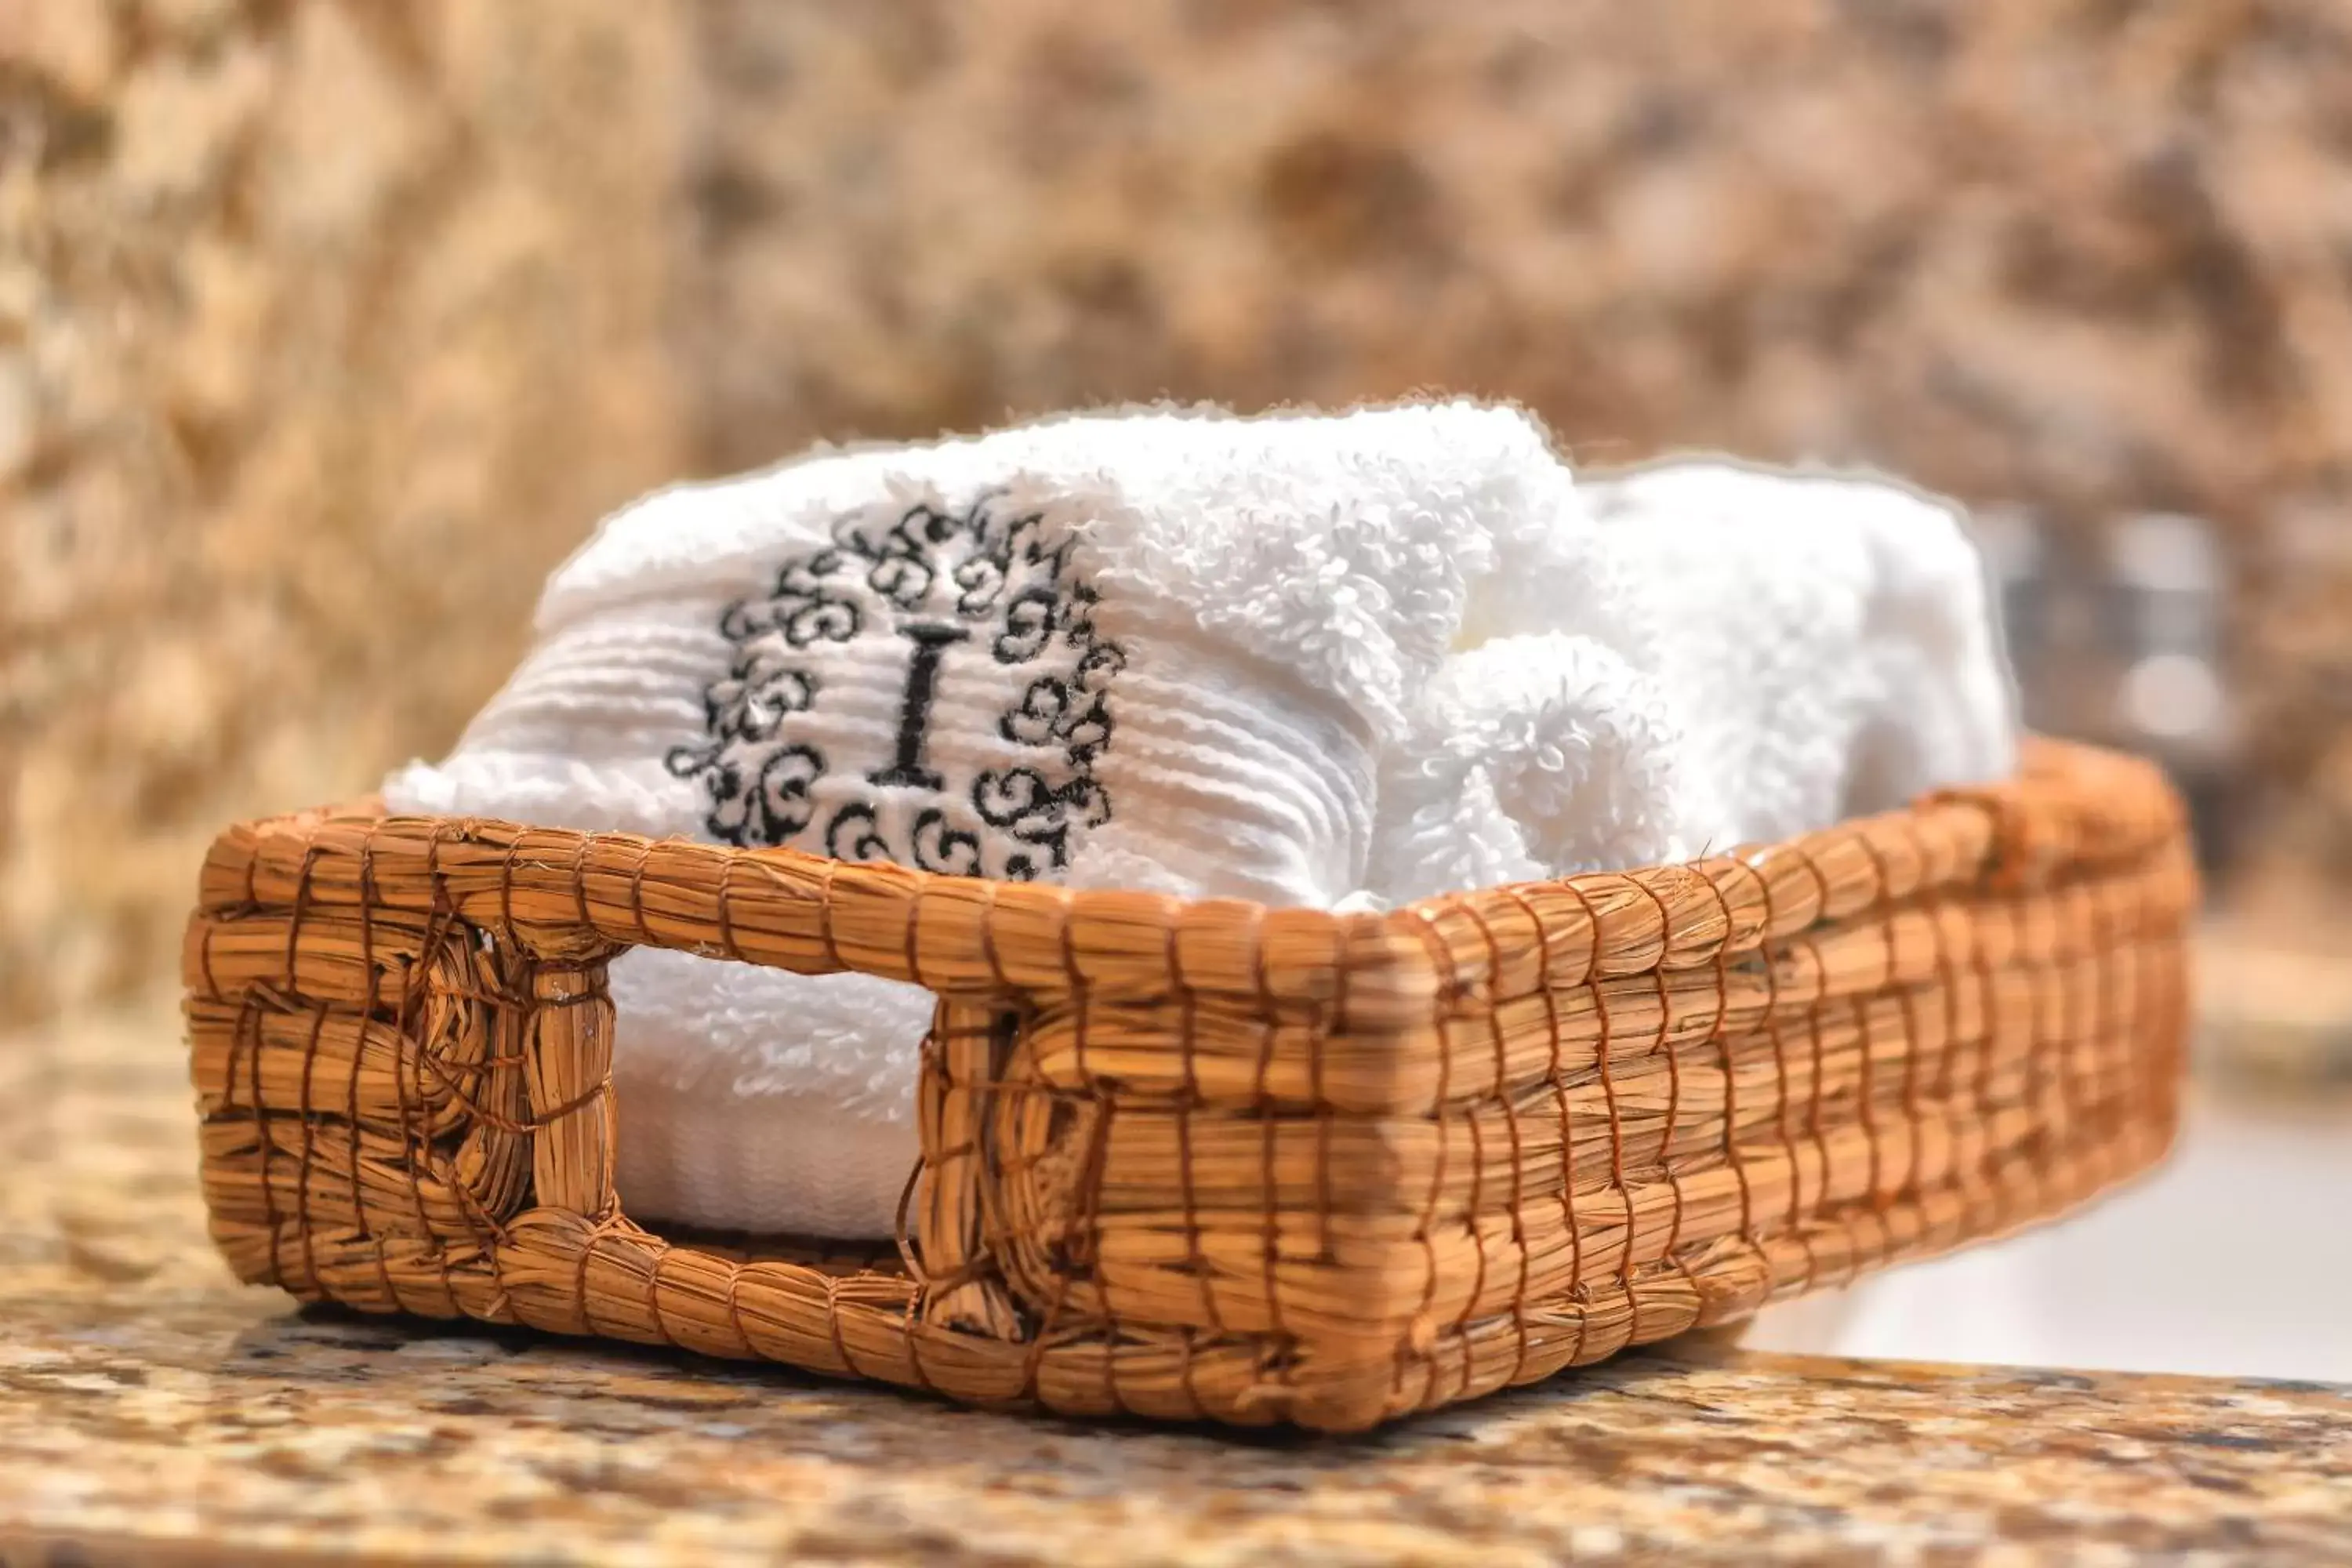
(1334, 661)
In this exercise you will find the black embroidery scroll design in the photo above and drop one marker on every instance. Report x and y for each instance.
(941, 585)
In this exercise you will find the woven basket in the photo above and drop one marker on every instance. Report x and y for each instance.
(1209, 1159)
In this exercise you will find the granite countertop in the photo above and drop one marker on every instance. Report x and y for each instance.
(152, 1408)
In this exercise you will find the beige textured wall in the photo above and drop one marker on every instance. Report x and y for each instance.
(2020, 247)
(325, 326)
(324, 329)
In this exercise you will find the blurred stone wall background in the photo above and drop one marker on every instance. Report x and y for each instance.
(326, 326)
(324, 329)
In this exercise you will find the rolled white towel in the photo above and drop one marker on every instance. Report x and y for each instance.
(1529, 755)
(1752, 653)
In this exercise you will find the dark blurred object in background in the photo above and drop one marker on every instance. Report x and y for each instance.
(2119, 637)
(327, 326)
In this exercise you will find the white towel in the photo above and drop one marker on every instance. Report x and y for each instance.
(1320, 660)
(1751, 654)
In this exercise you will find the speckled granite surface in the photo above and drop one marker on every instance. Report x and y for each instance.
(150, 1408)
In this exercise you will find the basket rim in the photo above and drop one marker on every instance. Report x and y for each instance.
(1985, 819)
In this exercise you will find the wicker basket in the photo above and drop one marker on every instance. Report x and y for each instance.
(1210, 1159)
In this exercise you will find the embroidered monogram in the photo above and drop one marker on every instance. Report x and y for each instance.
(1000, 698)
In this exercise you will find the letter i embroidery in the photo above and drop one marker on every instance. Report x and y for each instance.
(932, 640)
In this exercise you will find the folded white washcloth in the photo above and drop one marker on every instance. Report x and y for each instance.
(1303, 660)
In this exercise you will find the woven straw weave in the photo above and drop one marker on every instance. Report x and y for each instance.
(1209, 1159)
